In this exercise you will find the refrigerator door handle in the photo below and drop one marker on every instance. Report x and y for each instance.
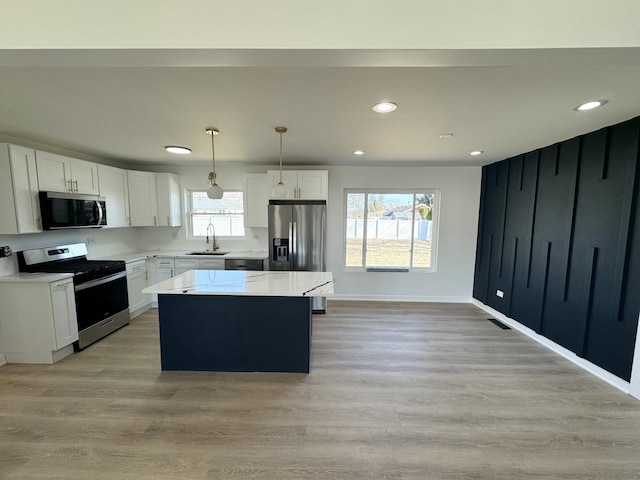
(294, 244)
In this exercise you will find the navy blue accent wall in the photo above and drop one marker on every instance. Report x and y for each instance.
(559, 236)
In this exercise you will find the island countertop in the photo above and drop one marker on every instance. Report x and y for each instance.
(246, 283)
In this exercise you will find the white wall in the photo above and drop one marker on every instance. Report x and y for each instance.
(230, 178)
(460, 197)
(100, 241)
(459, 205)
(453, 280)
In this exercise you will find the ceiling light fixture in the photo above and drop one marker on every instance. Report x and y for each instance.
(214, 191)
(177, 149)
(590, 105)
(358, 152)
(476, 153)
(280, 190)
(384, 107)
(446, 135)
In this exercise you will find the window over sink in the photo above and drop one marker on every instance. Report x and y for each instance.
(226, 214)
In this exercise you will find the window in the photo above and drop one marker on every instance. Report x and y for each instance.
(226, 215)
(387, 230)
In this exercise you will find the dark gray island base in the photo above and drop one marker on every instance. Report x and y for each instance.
(230, 333)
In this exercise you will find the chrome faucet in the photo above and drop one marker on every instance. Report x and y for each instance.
(214, 242)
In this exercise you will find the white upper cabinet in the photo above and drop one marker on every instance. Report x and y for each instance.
(256, 199)
(57, 173)
(114, 188)
(302, 184)
(143, 203)
(168, 192)
(19, 204)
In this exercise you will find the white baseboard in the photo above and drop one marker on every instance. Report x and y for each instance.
(3, 359)
(400, 298)
(568, 354)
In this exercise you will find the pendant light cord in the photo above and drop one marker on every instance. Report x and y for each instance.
(213, 155)
(281, 157)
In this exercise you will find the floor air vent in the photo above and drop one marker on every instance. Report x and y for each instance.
(499, 324)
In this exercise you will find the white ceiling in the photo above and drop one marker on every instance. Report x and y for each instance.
(128, 107)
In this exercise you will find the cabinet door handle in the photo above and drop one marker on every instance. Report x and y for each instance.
(70, 186)
(146, 275)
(128, 220)
(39, 223)
(76, 184)
(168, 220)
(155, 221)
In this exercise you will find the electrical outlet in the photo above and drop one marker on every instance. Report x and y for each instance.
(91, 240)
(500, 293)
(5, 251)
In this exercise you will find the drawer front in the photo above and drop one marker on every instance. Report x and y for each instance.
(136, 267)
(243, 264)
(212, 264)
(187, 263)
(164, 262)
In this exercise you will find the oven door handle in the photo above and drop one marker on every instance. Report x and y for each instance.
(100, 281)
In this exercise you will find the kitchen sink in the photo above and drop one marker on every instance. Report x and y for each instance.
(217, 253)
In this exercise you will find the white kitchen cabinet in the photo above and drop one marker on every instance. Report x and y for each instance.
(63, 304)
(168, 192)
(143, 203)
(137, 280)
(301, 184)
(19, 204)
(114, 188)
(58, 173)
(163, 269)
(37, 319)
(211, 264)
(255, 199)
(185, 264)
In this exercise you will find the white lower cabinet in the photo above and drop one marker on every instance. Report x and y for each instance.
(137, 280)
(38, 321)
(163, 269)
(211, 264)
(186, 264)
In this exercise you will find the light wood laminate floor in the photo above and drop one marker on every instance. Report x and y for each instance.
(396, 391)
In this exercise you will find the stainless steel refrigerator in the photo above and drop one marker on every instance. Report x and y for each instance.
(297, 238)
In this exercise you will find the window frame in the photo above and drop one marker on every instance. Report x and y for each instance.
(435, 219)
(189, 215)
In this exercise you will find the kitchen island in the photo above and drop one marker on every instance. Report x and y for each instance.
(238, 321)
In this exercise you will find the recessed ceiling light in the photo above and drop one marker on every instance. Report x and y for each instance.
(590, 105)
(178, 150)
(358, 152)
(446, 135)
(384, 107)
(476, 153)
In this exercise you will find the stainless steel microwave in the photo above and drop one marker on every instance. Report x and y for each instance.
(72, 210)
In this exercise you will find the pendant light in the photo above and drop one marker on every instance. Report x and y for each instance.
(214, 191)
(280, 190)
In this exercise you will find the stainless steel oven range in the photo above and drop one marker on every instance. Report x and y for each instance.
(102, 303)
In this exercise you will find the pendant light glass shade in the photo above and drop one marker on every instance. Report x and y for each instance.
(215, 191)
(280, 190)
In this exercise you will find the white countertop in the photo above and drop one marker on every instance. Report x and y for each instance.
(35, 277)
(141, 255)
(247, 283)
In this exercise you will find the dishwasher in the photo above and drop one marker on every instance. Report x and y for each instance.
(243, 264)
